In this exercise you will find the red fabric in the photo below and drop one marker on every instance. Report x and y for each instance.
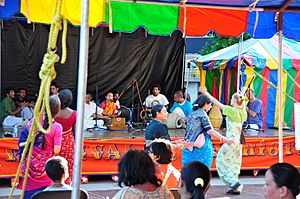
(68, 142)
(199, 21)
(264, 94)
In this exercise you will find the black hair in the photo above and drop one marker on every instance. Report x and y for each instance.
(21, 89)
(8, 89)
(55, 168)
(66, 98)
(190, 173)
(163, 151)
(179, 94)
(156, 86)
(136, 167)
(285, 174)
(201, 101)
(54, 84)
(155, 109)
(89, 93)
(54, 103)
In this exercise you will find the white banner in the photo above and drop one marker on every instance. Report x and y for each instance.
(297, 124)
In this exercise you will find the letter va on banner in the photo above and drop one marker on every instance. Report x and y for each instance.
(297, 124)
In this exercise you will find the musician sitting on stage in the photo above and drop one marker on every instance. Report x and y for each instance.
(90, 112)
(181, 107)
(108, 105)
(116, 99)
(156, 98)
(156, 129)
(255, 111)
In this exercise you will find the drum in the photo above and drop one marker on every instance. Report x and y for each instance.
(173, 121)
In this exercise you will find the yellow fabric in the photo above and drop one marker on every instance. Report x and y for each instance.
(284, 80)
(41, 11)
(110, 108)
(202, 77)
(221, 83)
(250, 74)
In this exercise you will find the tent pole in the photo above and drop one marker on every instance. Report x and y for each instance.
(239, 63)
(82, 79)
(280, 133)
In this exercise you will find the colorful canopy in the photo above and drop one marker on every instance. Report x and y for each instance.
(193, 18)
(220, 74)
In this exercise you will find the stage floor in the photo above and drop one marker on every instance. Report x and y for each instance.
(174, 133)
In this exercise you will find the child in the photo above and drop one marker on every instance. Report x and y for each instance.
(57, 171)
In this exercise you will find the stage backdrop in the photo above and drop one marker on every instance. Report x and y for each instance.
(115, 60)
(102, 156)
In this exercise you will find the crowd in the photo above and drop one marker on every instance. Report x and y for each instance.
(148, 173)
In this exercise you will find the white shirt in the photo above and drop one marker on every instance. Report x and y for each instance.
(89, 110)
(152, 100)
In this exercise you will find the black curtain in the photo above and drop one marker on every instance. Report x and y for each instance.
(115, 60)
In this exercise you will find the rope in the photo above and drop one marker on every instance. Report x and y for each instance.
(271, 84)
(47, 74)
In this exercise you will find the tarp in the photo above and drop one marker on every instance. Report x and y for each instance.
(115, 60)
(161, 18)
(262, 55)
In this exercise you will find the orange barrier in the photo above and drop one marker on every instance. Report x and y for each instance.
(101, 156)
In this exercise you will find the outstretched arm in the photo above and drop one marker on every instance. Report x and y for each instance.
(203, 90)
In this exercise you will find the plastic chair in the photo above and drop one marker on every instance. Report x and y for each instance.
(58, 194)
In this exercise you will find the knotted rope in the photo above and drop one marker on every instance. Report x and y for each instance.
(46, 74)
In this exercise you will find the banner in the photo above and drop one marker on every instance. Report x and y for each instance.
(102, 156)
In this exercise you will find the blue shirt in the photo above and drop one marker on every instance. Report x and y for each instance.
(197, 122)
(186, 107)
(156, 129)
(256, 106)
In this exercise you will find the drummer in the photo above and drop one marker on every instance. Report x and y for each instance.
(181, 107)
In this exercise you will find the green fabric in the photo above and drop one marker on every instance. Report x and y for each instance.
(7, 104)
(287, 64)
(234, 114)
(209, 80)
(289, 103)
(257, 83)
(232, 83)
(157, 19)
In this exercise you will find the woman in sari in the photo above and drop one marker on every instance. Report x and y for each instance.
(198, 134)
(67, 118)
(45, 147)
(229, 158)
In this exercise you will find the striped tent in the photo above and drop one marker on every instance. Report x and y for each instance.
(218, 71)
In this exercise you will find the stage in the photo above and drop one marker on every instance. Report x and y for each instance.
(103, 149)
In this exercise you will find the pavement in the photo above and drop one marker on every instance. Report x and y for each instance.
(99, 188)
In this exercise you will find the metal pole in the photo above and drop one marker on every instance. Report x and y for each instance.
(188, 80)
(239, 63)
(280, 134)
(81, 91)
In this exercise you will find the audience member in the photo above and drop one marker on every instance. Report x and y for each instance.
(45, 147)
(21, 99)
(282, 181)
(156, 129)
(67, 118)
(57, 171)
(9, 111)
(28, 111)
(156, 98)
(137, 172)
(54, 89)
(195, 181)
(161, 152)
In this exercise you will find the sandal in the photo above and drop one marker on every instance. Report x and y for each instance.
(234, 189)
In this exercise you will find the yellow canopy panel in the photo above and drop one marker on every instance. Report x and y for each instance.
(42, 11)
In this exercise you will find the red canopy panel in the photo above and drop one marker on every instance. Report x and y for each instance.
(199, 21)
